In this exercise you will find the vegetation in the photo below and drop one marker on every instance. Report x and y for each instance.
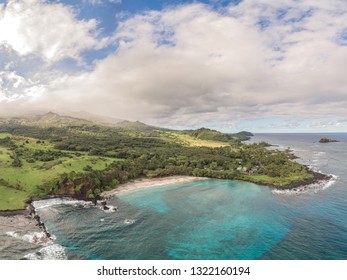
(209, 134)
(214, 135)
(82, 160)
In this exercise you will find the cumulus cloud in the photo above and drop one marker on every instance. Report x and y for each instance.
(183, 61)
(14, 86)
(190, 64)
(50, 31)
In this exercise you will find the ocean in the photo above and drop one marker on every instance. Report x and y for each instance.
(209, 219)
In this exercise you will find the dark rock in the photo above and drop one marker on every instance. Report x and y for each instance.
(327, 140)
(103, 203)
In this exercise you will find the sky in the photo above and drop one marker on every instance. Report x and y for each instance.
(256, 65)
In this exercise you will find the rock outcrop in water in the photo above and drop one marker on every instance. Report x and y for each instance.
(327, 140)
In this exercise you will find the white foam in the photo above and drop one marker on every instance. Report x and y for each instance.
(314, 168)
(51, 252)
(322, 185)
(110, 209)
(129, 221)
(12, 234)
(32, 237)
(330, 182)
(40, 204)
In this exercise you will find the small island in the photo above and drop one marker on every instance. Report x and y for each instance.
(327, 140)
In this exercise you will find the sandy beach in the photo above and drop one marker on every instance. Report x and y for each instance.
(146, 183)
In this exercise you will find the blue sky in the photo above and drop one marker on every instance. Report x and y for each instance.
(263, 66)
(107, 12)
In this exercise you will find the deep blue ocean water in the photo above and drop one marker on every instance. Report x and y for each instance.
(213, 219)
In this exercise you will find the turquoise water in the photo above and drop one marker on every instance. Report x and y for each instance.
(212, 219)
(215, 219)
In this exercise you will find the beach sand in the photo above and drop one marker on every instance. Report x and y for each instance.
(146, 183)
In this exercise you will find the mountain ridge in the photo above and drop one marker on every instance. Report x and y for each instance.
(82, 118)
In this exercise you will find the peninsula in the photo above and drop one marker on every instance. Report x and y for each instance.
(53, 155)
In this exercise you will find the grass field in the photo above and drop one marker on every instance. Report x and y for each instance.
(4, 135)
(189, 140)
(11, 199)
(19, 183)
(24, 180)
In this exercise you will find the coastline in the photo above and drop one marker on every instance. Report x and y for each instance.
(27, 217)
(21, 232)
(150, 182)
(29, 211)
(26, 225)
(317, 178)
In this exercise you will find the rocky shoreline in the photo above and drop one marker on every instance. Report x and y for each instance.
(11, 213)
(30, 214)
(316, 179)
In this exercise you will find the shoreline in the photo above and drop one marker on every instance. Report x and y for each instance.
(16, 220)
(23, 229)
(13, 213)
(141, 183)
(150, 182)
(316, 179)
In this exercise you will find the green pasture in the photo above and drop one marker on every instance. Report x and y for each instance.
(18, 183)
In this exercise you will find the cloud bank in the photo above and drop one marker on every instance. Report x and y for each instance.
(186, 65)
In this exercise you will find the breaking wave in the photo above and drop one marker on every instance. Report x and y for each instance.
(51, 252)
(39, 238)
(40, 204)
(109, 208)
(316, 187)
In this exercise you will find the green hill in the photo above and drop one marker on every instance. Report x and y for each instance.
(52, 154)
(137, 126)
(209, 134)
(242, 136)
(214, 135)
(48, 120)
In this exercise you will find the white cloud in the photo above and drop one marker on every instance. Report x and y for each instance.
(98, 2)
(93, 2)
(325, 124)
(50, 31)
(192, 61)
(189, 65)
(14, 87)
